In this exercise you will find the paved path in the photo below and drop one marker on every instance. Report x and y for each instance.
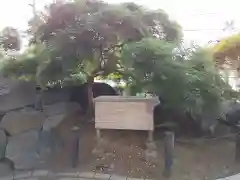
(46, 175)
(234, 177)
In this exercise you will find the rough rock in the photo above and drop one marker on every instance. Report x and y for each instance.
(49, 140)
(66, 108)
(49, 143)
(56, 113)
(6, 167)
(16, 122)
(22, 150)
(15, 94)
(3, 144)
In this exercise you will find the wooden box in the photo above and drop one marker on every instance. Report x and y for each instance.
(129, 113)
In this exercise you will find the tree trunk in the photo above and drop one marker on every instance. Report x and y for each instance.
(90, 110)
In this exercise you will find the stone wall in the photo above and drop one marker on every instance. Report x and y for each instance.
(16, 94)
(28, 138)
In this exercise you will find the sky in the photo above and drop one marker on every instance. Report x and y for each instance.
(202, 20)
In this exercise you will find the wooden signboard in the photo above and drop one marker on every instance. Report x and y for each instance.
(129, 113)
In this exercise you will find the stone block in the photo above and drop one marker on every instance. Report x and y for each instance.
(6, 167)
(22, 150)
(17, 122)
(10, 177)
(53, 122)
(15, 94)
(48, 143)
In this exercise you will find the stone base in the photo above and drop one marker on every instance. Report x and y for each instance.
(151, 156)
(99, 150)
(151, 152)
(151, 145)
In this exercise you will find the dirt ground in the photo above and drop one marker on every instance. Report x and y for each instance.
(124, 154)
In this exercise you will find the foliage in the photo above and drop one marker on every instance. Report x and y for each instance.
(191, 84)
(10, 39)
(87, 35)
(83, 38)
(19, 67)
(36, 64)
(227, 51)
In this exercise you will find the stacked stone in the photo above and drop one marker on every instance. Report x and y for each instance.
(28, 137)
